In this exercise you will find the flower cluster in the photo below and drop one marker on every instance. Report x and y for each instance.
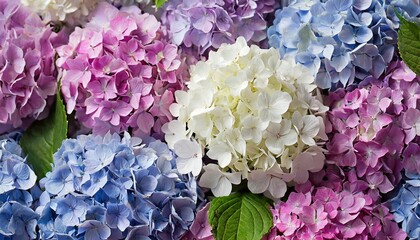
(113, 187)
(372, 128)
(341, 41)
(17, 218)
(26, 66)
(257, 116)
(72, 12)
(119, 72)
(406, 205)
(200, 26)
(333, 205)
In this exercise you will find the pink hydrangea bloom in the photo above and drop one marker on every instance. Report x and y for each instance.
(333, 204)
(119, 72)
(373, 127)
(27, 69)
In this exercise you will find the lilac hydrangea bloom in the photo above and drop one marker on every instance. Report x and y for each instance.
(200, 26)
(119, 72)
(372, 128)
(342, 41)
(26, 66)
(113, 187)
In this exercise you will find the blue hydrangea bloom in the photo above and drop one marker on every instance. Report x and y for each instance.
(406, 206)
(116, 188)
(17, 219)
(342, 41)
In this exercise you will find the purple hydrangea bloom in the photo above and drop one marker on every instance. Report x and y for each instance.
(119, 72)
(373, 127)
(119, 188)
(200, 26)
(27, 68)
(342, 41)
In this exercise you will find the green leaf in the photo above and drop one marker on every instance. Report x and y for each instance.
(409, 43)
(44, 137)
(159, 3)
(242, 216)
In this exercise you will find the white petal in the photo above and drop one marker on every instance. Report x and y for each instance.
(184, 165)
(222, 153)
(308, 140)
(197, 165)
(187, 149)
(277, 187)
(311, 125)
(280, 102)
(210, 177)
(290, 138)
(223, 188)
(258, 181)
(274, 145)
(234, 178)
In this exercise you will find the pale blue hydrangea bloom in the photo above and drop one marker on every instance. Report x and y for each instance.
(342, 41)
(113, 187)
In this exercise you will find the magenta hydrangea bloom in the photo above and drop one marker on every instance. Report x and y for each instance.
(27, 69)
(374, 127)
(119, 72)
(199, 26)
(333, 204)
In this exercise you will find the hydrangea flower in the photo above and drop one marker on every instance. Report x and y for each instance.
(17, 219)
(257, 116)
(333, 204)
(119, 188)
(71, 12)
(26, 66)
(406, 205)
(200, 26)
(372, 128)
(343, 42)
(119, 72)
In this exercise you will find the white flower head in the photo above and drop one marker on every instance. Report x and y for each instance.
(254, 112)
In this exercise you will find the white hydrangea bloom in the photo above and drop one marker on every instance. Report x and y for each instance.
(73, 12)
(255, 114)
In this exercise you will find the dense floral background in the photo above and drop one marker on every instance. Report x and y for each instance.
(210, 119)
